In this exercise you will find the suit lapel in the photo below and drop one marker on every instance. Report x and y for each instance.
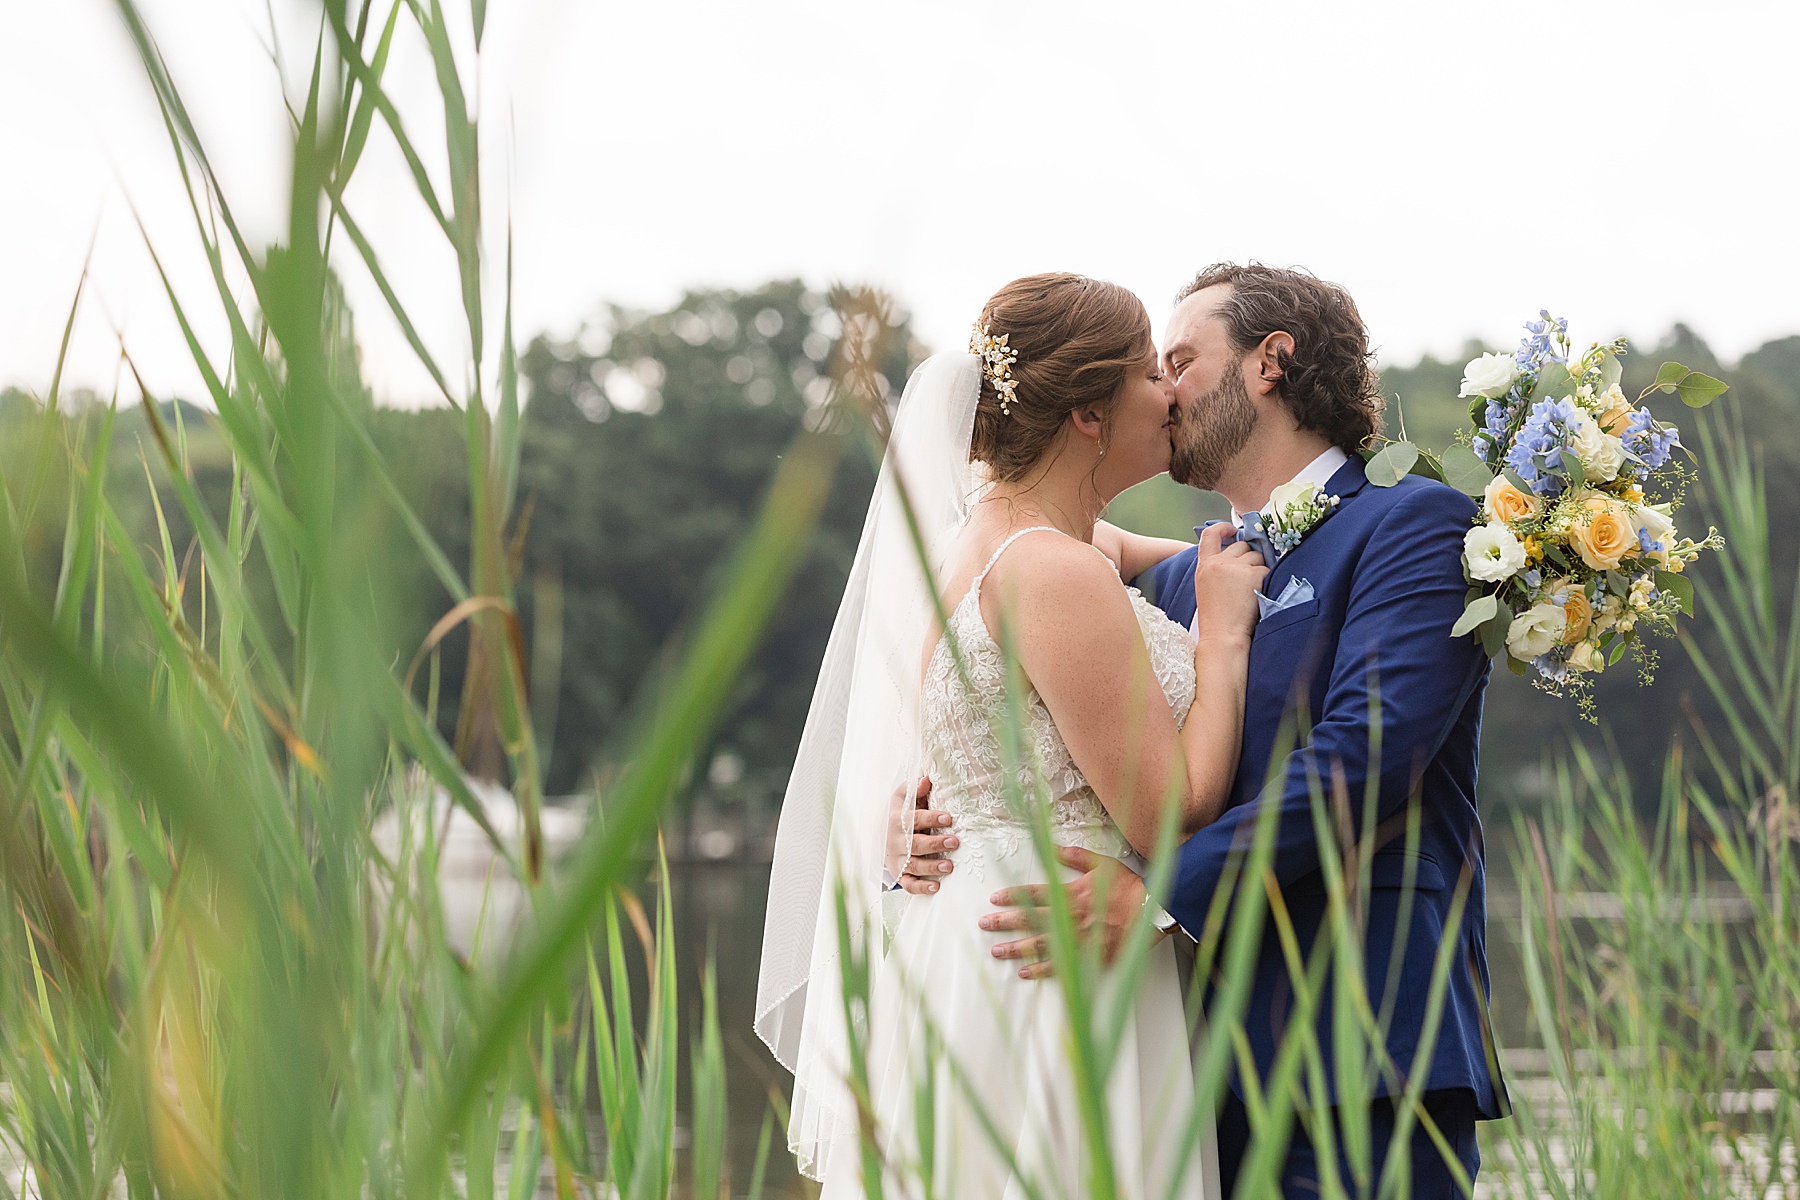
(1345, 483)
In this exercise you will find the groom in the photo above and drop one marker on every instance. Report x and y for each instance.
(1273, 386)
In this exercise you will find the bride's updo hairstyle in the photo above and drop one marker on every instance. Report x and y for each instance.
(1077, 339)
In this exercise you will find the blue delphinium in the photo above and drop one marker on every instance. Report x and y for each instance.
(1553, 666)
(1646, 443)
(1534, 455)
(1539, 345)
(1536, 351)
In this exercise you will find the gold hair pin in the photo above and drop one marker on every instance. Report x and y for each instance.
(997, 359)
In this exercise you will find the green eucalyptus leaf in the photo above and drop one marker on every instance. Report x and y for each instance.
(1669, 377)
(1477, 612)
(1517, 480)
(1572, 465)
(1698, 391)
(1465, 472)
(1555, 380)
(1516, 667)
(1611, 370)
(1678, 586)
(1391, 463)
(1494, 629)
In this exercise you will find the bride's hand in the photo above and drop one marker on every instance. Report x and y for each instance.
(1226, 580)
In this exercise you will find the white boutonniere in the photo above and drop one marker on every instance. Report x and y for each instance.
(1294, 508)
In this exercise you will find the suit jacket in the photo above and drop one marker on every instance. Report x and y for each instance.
(1386, 572)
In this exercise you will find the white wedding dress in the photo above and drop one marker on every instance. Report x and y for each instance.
(995, 1050)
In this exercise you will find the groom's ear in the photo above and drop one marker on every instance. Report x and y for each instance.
(1271, 359)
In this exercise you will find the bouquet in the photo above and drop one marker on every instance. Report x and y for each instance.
(1574, 556)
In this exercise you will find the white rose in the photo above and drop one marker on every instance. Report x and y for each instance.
(1602, 455)
(1492, 553)
(1655, 524)
(1285, 495)
(1491, 375)
(1536, 631)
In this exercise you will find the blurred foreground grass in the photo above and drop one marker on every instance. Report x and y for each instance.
(215, 980)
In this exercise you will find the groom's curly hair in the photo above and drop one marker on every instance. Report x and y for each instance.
(1077, 339)
(1329, 381)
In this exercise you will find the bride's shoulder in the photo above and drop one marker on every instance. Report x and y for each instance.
(1047, 564)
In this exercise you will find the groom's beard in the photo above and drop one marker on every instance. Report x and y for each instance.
(1212, 432)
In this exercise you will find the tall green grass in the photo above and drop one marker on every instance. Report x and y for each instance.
(216, 983)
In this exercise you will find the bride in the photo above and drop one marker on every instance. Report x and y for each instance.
(923, 1064)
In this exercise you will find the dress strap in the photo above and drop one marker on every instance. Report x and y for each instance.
(975, 588)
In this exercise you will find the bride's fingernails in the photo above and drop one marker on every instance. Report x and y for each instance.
(931, 887)
(950, 843)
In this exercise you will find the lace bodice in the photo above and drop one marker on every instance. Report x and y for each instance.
(962, 721)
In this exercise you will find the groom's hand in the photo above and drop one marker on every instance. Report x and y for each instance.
(1106, 900)
(917, 838)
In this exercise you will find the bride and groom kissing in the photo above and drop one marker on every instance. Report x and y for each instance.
(904, 956)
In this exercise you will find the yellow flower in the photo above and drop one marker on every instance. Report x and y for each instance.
(1603, 534)
(1580, 614)
(1586, 657)
(1533, 551)
(1632, 495)
(1615, 411)
(1506, 503)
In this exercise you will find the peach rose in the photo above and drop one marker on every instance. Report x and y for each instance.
(1580, 613)
(1506, 503)
(1615, 411)
(1603, 534)
(1586, 657)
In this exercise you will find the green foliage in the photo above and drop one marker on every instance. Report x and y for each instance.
(647, 440)
(234, 984)
(1392, 463)
(1695, 389)
(1465, 472)
(1479, 610)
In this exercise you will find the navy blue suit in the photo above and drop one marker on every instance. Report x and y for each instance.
(1386, 573)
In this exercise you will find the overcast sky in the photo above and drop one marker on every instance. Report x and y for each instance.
(1456, 165)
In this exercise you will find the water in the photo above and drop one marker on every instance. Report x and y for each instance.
(719, 911)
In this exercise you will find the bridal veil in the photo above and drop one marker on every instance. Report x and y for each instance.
(862, 741)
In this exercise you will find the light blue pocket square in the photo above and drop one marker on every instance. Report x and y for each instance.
(1297, 591)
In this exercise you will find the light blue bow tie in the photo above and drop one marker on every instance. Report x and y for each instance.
(1250, 529)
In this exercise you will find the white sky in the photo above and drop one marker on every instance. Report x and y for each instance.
(1456, 165)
